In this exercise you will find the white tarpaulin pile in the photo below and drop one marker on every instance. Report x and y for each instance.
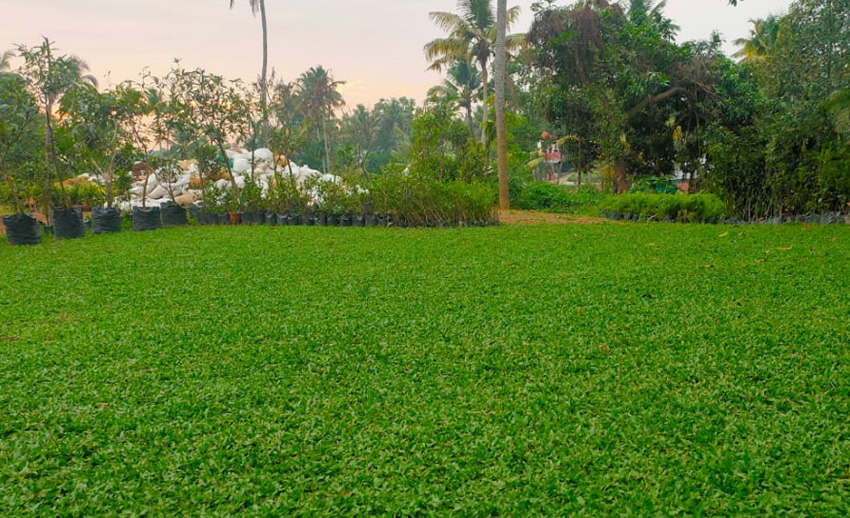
(258, 165)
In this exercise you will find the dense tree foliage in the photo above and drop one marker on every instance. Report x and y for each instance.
(618, 80)
(768, 134)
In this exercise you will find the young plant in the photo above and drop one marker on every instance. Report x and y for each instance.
(251, 196)
(210, 168)
(168, 173)
(101, 126)
(48, 78)
(287, 130)
(18, 115)
(202, 107)
(139, 125)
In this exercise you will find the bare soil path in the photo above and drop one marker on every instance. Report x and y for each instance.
(522, 217)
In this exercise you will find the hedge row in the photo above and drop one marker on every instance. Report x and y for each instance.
(692, 208)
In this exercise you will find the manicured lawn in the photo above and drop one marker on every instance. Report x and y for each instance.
(595, 370)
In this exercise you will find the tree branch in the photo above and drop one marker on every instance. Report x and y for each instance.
(655, 99)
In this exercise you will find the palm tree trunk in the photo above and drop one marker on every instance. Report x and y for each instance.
(264, 95)
(485, 90)
(469, 121)
(621, 184)
(327, 145)
(501, 116)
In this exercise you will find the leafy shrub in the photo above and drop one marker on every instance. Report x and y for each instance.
(689, 208)
(443, 148)
(333, 198)
(544, 196)
(5, 195)
(250, 198)
(284, 196)
(654, 184)
(834, 177)
(81, 194)
(415, 200)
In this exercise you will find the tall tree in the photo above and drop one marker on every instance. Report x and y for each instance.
(623, 66)
(361, 128)
(320, 96)
(462, 87)
(395, 121)
(759, 45)
(260, 5)
(471, 34)
(501, 124)
(287, 117)
(808, 162)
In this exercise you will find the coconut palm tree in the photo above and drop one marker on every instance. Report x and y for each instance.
(759, 45)
(501, 83)
(643, 11)
(81, 68)
(839, 107)
(461, 87)
(76, 63)
(395, 122)
(6, 61)
(320, 97)
(260, 5)
(471, 35)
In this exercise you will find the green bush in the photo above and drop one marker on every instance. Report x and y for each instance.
(80, 195)
(689, 208)
(285, 197)
(655, 184)
(5, 195)
(443, 148)
(415, 200)
(548, 197)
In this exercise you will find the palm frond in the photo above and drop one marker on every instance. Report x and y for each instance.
(255, 5)
(512, 15)
(6, 60)
(515, 42)
(450, 48)
(448, 22)
(478, 13)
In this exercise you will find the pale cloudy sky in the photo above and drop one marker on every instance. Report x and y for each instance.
(374, 45)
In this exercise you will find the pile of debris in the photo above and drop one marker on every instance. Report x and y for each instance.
(259, 166)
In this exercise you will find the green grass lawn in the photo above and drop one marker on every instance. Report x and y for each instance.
(597, 370)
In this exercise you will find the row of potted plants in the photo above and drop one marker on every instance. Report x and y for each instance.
(206, 217)
(308, 219)
(398, 199)
(25, 229)
(386, 200)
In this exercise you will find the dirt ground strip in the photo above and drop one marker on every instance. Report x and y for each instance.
(521, 217)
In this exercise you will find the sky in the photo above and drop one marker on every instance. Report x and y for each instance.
(373, 45)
